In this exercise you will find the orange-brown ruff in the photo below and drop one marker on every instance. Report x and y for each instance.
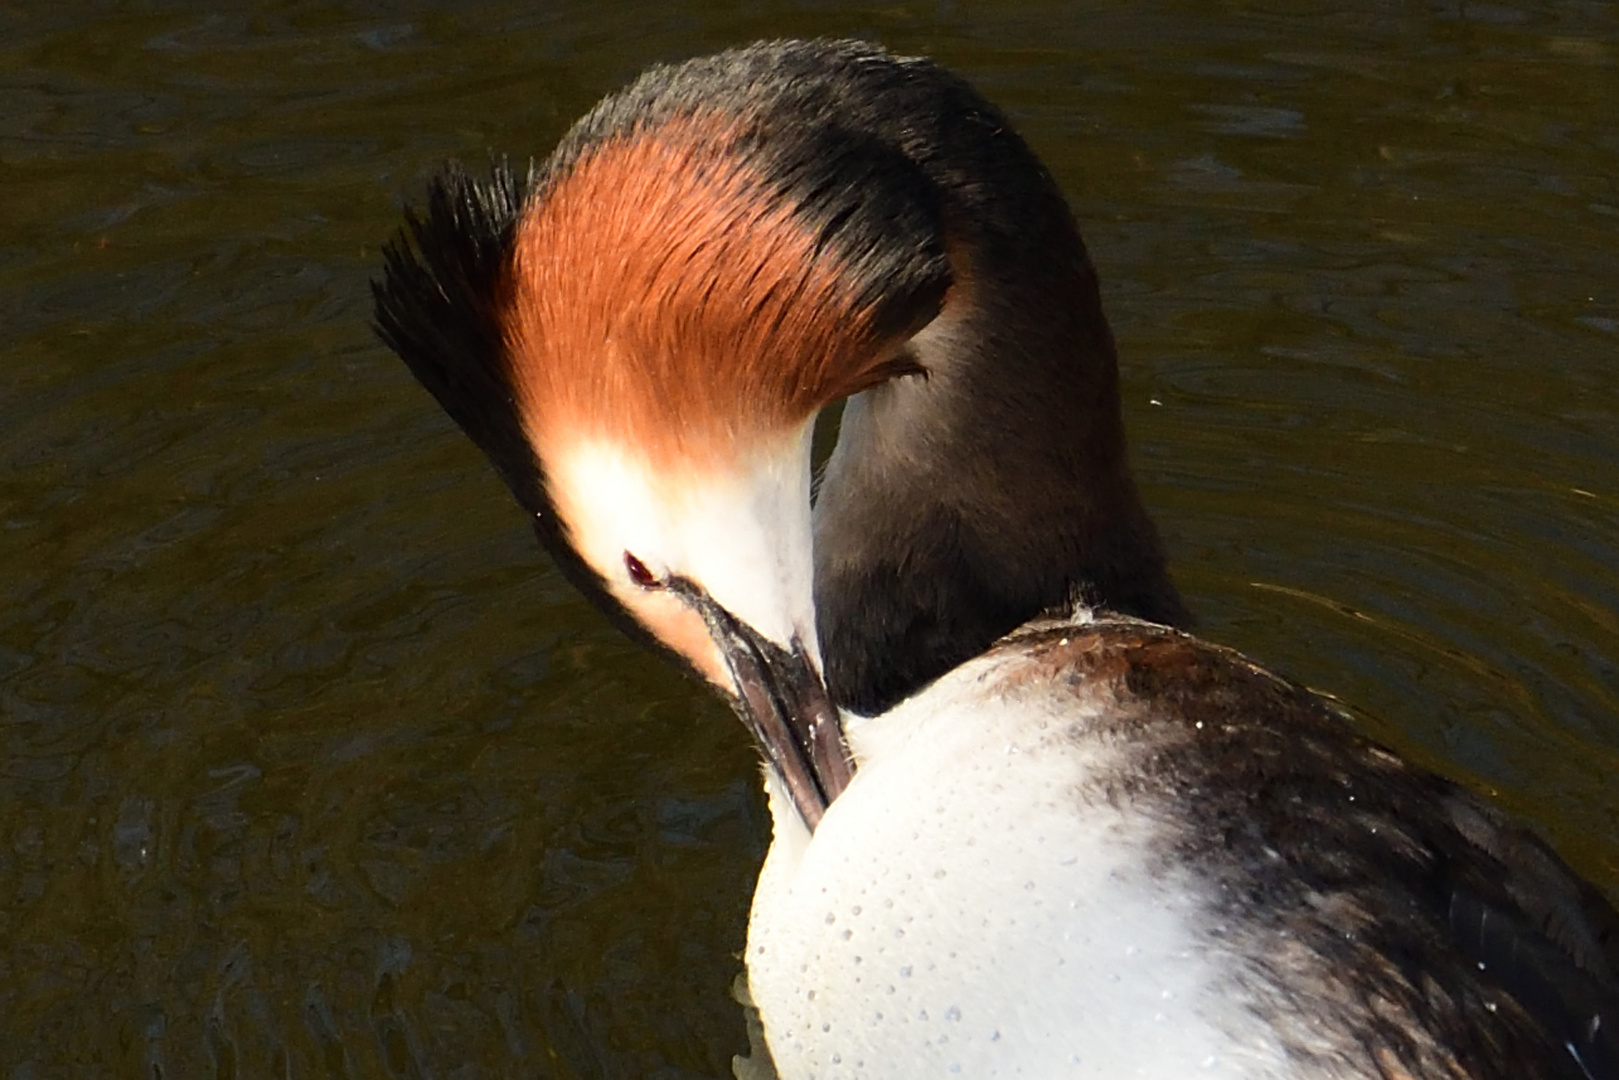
(660, 288)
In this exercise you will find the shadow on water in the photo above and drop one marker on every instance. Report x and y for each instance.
(309, 763)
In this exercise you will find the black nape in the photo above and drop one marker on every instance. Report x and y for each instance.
(958, 506)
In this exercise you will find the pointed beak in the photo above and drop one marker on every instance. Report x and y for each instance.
(782, 700)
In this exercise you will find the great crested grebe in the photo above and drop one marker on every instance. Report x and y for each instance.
(1042, 833)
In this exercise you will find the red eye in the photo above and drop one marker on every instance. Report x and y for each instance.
(639, 573)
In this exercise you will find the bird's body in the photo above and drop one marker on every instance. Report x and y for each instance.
(988, 834)
(1074, 843)
(1137, 854)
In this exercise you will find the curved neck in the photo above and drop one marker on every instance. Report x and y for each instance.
(958, 507)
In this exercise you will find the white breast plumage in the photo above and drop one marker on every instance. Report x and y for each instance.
(981, 898)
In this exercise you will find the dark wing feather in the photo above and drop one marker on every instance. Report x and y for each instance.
(1547, 937)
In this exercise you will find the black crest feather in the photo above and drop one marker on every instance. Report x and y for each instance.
(438, 305)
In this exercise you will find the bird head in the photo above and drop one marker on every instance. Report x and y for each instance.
(641, 337)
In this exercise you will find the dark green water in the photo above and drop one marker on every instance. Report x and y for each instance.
(311, 766)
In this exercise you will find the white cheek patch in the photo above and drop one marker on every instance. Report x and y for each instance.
(610, 506)
(741, 532)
